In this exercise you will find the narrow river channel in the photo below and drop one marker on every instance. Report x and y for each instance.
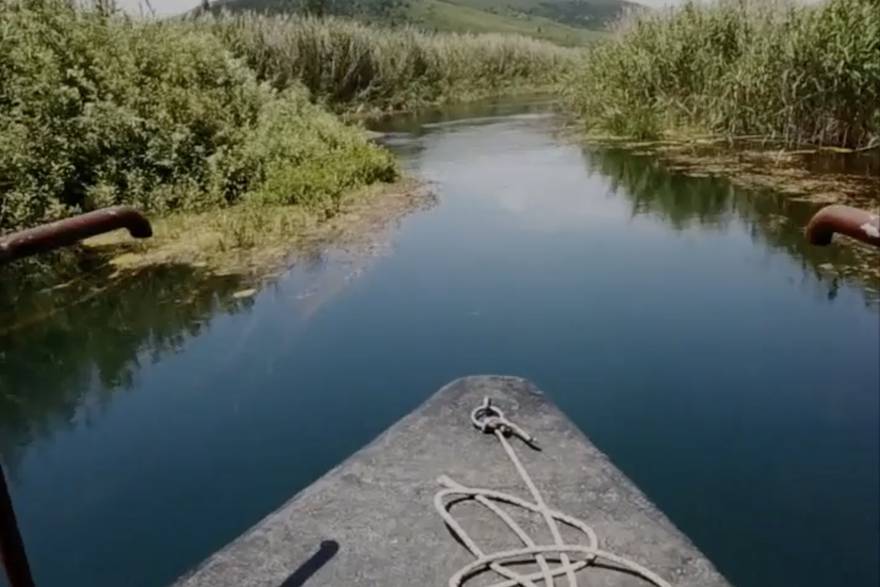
(683, 325)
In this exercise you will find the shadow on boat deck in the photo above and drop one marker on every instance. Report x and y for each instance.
(326, 551)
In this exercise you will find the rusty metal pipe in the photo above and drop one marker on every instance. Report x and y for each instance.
(71, 230)
(858, 224)
(12, 554)
(14, 246)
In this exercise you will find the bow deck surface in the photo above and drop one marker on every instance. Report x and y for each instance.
(371, 520)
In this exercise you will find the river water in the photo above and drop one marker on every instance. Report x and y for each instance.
(683, 325)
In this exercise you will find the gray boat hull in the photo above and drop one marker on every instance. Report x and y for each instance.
(374, 514)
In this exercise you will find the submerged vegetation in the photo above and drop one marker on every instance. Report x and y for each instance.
(774, 212)
(255, 240)
(783, 72)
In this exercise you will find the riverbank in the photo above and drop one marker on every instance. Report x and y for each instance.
(99, 110)
(770, 96)
(237, 135)
(242, 247)
(787, 73)
(259, 241)
(821, 176)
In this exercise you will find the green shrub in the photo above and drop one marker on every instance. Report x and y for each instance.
(98, 110)
(801, 74)
(298, 153)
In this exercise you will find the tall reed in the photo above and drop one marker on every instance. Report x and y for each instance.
(799, 74)
(349, 65)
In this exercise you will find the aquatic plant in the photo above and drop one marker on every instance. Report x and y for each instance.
(783, 71)
(349, 65)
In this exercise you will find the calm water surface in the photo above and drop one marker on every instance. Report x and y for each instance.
(684, 326)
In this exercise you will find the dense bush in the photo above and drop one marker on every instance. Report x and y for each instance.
(349, 65)
(98, 110)
(802, 74)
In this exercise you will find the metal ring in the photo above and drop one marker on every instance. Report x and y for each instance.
(482, 414)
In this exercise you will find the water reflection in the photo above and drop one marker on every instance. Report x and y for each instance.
(866, 164)
(425, 121)
(772, 219)
(57, 346)
(654, 308)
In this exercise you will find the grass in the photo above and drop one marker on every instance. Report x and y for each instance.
(350, 66)
(787, 73)
(249, 239)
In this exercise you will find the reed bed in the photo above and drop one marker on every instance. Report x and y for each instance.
(352, 66)
(785, 72)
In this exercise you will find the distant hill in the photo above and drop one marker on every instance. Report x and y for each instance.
(567, 22)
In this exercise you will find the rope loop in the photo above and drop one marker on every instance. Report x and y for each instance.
(491, 420)
(488, 418)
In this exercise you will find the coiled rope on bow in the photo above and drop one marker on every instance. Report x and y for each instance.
(489, 419)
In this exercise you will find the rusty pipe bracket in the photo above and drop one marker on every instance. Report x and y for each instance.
(71, 230)
(853, 222)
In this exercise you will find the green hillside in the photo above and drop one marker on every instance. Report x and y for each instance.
(441, 15)
(567, 22)
(590, 14)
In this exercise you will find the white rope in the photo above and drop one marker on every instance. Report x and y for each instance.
(489, 418)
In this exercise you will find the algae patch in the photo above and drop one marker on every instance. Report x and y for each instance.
(257, 240)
